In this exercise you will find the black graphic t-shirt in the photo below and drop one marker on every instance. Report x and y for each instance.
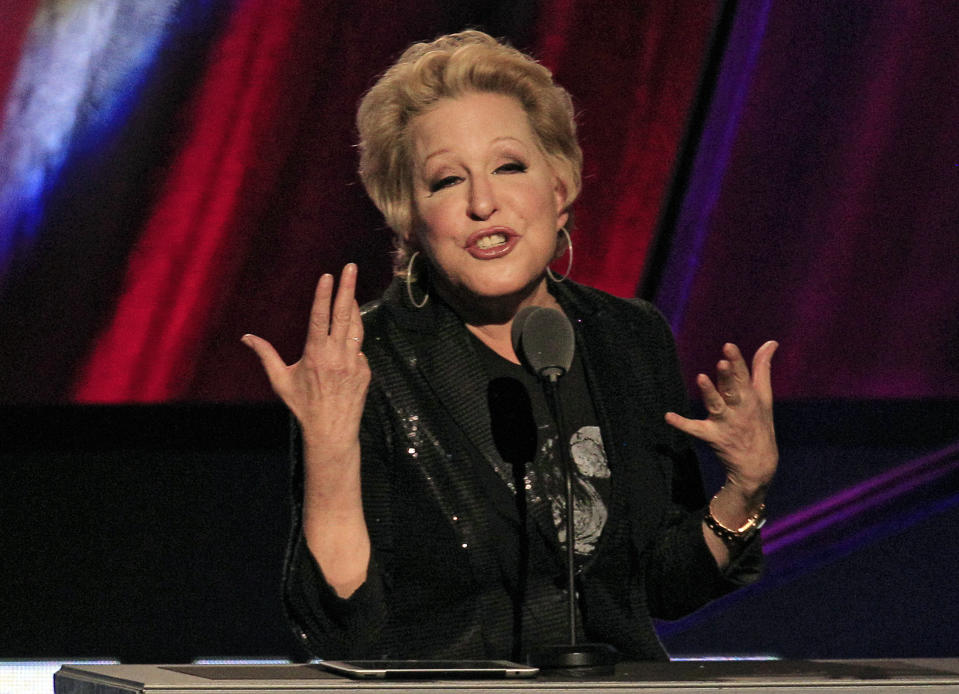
(526, 437)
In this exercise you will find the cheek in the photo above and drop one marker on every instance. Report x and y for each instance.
(431, 223)
(428, 229)
(423, 213)
(543, 204)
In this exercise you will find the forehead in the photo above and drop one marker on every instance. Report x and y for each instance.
(474, 120)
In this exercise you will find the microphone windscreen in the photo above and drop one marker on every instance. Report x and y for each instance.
(544, 338)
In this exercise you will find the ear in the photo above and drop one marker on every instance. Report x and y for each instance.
(560, 195)
(409, 237)
(562, 219)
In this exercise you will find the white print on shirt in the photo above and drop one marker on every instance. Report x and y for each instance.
(589, 511)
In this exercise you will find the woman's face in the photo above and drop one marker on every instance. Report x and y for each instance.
(488, 205)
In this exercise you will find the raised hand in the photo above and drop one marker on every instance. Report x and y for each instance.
(326, 389)
(739, 425)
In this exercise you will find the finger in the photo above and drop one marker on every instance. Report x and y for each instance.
(319, 329)
(726, 382)
(356, 325)
(693, 427)
(272, 363)
(714, 402)
(343, 305)
(737, 363)
(762, 371)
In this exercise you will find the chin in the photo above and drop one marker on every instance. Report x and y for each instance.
(502, 288)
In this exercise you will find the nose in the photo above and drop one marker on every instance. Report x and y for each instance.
(482, 201)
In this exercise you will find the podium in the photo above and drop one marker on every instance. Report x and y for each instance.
(907, 676)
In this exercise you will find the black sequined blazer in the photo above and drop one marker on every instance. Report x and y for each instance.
(436, 586)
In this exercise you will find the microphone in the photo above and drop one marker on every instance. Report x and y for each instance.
(544, 338)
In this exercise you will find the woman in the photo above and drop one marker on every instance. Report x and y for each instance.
(427, 521)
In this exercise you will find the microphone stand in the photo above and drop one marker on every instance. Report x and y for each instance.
(579, 659)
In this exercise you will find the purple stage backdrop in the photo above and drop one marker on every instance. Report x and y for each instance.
(824, 206)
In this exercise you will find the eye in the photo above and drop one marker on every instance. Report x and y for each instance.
(511, 167)
(444, 182)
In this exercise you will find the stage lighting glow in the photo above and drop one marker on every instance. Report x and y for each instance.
(35, 676)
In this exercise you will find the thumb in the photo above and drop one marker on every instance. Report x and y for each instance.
(273, 364)
(762, 371)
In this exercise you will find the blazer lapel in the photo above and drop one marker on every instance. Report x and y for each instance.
(447, 361)
(617, 374)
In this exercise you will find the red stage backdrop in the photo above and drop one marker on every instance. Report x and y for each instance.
(173, 175)
(209, 204)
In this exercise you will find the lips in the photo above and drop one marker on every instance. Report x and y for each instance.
(488, 244)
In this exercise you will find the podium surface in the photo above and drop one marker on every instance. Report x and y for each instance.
(688, 677)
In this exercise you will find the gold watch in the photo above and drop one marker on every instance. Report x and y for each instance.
(736, 536)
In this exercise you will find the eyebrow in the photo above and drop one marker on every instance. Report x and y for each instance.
(494, 141)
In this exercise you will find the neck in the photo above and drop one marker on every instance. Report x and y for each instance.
(491, 318)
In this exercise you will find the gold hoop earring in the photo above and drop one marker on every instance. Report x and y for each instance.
(409, 284)
(569, 265)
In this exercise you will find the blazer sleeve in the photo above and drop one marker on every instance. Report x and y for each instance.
(681, 574)
(327, 625)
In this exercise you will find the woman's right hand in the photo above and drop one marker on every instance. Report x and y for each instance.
(326, 389)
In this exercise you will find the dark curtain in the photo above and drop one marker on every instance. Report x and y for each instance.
(835, 226)
(214, 207)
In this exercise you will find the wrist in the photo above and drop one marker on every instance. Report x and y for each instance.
(733, 523)
(330, 470)
(732, 506)
(750, 493)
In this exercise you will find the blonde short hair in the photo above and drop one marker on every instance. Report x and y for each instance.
(450, 66)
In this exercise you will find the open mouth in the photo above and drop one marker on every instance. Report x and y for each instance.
(491, 241)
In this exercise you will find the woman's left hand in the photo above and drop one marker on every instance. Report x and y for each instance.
(739, 426)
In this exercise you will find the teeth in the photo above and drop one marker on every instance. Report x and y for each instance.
(491, 240)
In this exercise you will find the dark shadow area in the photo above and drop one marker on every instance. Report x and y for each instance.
(156, 534)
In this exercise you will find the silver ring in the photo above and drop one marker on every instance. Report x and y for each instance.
(355, 339)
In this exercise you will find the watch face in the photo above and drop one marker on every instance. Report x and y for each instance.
(753, 523)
